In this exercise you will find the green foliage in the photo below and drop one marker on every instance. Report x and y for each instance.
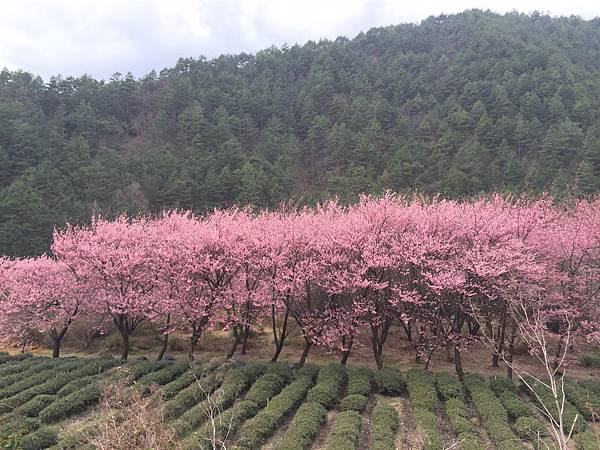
(384, 425)
(354, 402)
(587, 440)
(40, 439)
(423, 397)
(164, 375)
(501, 384)
(448, 386)
(190, 376)
(192, 395)
(138, 369)
(585, 400)
(71, 404)
(390, 381)
(236, 381)
(265, 388)
(492, 413)
(15, 425)
(515, 407)
(303, 428)
(590, 359)
(254, 432)
(544, 398)
(345, 431)
(359, 381)
(329, 386)
(33, 407)
(530, 428)
(395, 107)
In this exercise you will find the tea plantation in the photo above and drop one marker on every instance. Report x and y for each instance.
(58, 404)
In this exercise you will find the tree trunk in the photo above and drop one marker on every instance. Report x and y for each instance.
(237, 337)
(57, 339)
(377, 353)
(407, 330)
(245, 341)
(499, 344)
(125, 351)
(458, 364)
(307, 347)
(279, 339)
(163, 348)
(192, 346)
(55, 348)
(346, 353)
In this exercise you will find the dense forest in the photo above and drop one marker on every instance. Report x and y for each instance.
(457, 105)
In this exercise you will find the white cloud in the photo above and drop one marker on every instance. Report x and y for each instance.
(72, 37)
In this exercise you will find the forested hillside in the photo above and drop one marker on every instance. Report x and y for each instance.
(457, 105)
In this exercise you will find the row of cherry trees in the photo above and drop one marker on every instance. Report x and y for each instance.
(448, 272)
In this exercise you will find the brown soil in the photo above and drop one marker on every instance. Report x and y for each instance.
(408, 436)
(364, 439)
(323, 437)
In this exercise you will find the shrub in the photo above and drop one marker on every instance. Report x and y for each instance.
(260, 427)
(423, 397)
(227, 422)
(587, 440)
(14, 425)
(542, 396)
(329, 385)
(303, 428)
(390, 382)
(265, 388)
(236, 381)
(492, 413)
(191, 395)
(38, 440)
(448, 386)
(33, 407)
(359, 381)
(190, 376)
(515, 407)
(590, 359)
(354, 402)
(500, 384)
(530, 428)
(345, 431)
(583, 399)
(421, 389)
(76, 385)
(592, 385)
(71, 404)
(164, 375)
(138, 369)
(456, 410)
(384, 423)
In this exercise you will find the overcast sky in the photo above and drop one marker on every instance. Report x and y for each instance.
(73, 37)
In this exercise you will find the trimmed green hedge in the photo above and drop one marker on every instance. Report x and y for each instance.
(164, 375)
(329, 386)
(187, 378)
(359, 381)
(33, 407)
(345, 431)
(449, 386)
(258, 429)
(424, 400)
(354, 402)
(235, 382)
(137, 369)
(384, 425)
(265, 388)
(13, 425)
(543, 396)
(585, 400)
(529, 428)
(71, 404)
(590, 359)
(40, 439)
(493, 415)
(192, 395)
(587, 440)
(390, 382)
(304, 427)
